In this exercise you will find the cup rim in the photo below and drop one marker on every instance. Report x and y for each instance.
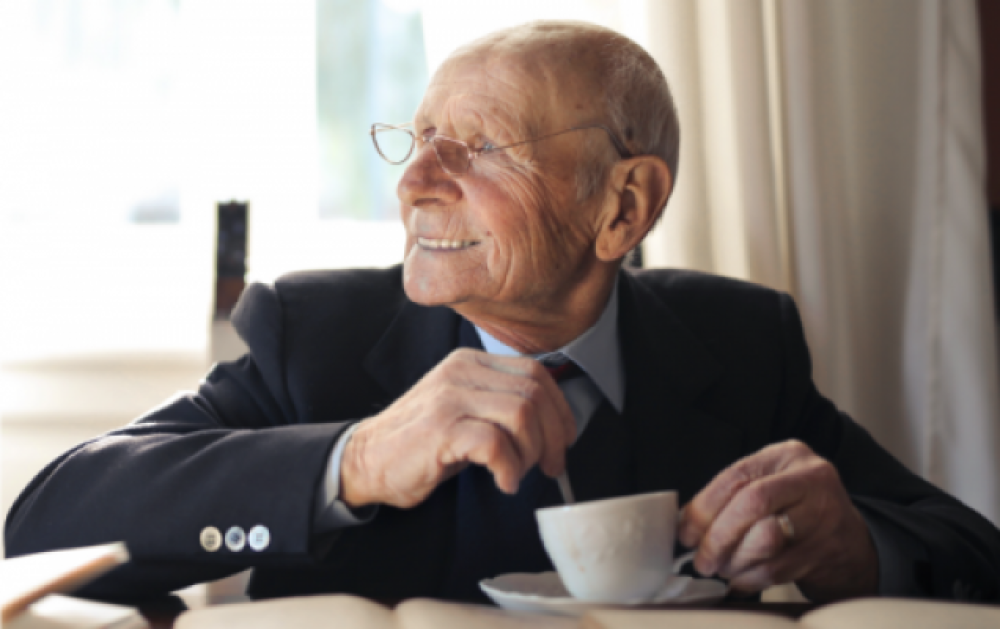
(603, 502)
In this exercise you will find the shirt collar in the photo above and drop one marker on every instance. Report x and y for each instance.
(597, 352)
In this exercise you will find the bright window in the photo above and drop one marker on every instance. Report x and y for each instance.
(371, 67)
(90, 122)
(125, 123)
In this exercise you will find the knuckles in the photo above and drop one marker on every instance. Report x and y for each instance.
(795, 449)
(530, 389)
(464, 355)
(756, 500)
(457, 363)
(822, 471)
(536, 371)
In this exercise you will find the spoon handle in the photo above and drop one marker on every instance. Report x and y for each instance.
(565, 489)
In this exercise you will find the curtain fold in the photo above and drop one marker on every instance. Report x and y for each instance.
(835, 150)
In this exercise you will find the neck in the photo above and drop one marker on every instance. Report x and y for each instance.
(535, 330)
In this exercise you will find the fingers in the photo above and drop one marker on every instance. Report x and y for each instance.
(706, 507)
(756, 502)
(482, 443)
(515, 396)
(530, 380)
(786, 568)
(764, 541)
(526, 402)
(735, 523)
(510, 416)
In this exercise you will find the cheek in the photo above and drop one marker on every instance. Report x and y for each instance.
(544, 230)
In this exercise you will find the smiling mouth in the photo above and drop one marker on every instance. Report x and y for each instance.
(445, 245)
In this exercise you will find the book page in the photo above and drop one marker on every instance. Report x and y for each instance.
(28, 578)
(343, 610)
(63, 612)
(429, 614)
(300, 612)
(685, 619)
(890, 613)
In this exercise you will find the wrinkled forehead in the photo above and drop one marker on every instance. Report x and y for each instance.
(524, 94)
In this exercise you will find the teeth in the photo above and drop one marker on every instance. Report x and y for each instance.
(430, 243)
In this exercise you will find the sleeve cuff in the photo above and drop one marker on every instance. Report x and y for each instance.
(331, 512)
(898, 555)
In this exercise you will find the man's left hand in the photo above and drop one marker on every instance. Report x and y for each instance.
(822, 544)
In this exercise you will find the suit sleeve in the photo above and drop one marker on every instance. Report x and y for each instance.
(951, 551)
(234, 453)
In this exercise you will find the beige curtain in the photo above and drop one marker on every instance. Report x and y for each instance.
(834, 149)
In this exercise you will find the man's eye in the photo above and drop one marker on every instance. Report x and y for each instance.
(487, 146)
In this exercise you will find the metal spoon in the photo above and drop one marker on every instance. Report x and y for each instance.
(565, 489)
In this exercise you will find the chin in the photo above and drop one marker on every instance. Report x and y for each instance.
(421, 288)
(431, 282)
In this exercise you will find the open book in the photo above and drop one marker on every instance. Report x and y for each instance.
(64, 612)
(26, 579)
(350, 611)
(30, 587)
(342, 610)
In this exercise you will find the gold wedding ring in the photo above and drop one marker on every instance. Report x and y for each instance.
(786, 526)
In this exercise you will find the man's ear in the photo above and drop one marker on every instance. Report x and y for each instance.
(638, 188)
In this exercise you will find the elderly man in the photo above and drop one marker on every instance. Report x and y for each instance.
(391, 432)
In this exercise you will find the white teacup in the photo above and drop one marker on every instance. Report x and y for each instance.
(618, 550)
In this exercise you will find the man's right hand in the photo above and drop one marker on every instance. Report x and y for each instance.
(502, 412)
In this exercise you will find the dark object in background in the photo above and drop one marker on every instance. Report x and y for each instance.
(230, 257)
(634, 258)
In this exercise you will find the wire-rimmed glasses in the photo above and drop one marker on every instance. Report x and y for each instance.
(395, 144)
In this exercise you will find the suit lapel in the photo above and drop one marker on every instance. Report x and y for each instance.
(667, 368)
(417, 340)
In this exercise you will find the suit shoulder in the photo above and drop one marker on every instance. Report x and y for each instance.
(361, 286)
(719, 307)
(680, 286)
(308, 303)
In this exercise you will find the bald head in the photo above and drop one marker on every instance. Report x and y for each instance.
(621, 84)
(518, 207)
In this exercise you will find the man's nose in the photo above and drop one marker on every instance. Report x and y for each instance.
(425, 183)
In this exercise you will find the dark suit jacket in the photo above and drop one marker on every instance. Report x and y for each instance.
(715, 370)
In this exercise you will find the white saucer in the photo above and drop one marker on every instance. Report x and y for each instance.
(545, 593)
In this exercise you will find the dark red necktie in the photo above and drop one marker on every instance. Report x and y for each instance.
(565, 371)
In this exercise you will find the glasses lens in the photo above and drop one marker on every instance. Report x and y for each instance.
(395, 145)
(454, 155)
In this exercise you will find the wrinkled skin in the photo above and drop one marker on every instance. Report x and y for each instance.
(472, 408)
(733, 523)
(528, 273)
(534, 268)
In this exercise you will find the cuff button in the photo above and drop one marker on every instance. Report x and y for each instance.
(236, 539)
(210, 538)
(260, 537)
